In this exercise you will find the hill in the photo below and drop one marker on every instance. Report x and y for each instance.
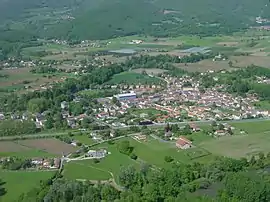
(102, 19)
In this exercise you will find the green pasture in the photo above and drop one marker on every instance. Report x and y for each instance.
(20, 182)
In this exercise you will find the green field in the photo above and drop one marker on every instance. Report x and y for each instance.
(19, 182)
(264, 105)
(253, 127)
(133, 78)
(84, 170)
(154, 152)
(238, 146)
(84, 139)
(108, 167)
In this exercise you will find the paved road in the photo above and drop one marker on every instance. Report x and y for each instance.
(198, 122)
(125, 127)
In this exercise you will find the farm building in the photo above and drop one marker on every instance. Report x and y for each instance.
(98, 154)
(220, 133)
(126, 96)
(183, 143)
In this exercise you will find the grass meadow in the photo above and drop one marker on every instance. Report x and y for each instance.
(20, 182)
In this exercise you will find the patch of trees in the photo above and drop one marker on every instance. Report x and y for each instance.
(45, 70)
(16, 163)
(2, 189)
(163, 61)
(124, 147)
(17, 127)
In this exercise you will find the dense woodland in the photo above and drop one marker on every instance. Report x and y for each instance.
(220, 180)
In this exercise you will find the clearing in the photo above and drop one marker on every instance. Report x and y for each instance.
(20, 182)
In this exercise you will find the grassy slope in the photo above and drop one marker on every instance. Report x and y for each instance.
(17, 183)
(102, 170)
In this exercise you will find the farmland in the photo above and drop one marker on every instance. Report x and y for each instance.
(35, 148)
(239, 146)
(17, 183)
(18, 79)
(49, 145)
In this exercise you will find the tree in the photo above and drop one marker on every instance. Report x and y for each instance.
(230, 63)
(168, 159)
(2, 189)
(49, 123)
(133, 156)
(124, 147)
(38, 105)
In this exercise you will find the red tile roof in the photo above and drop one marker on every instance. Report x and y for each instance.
(183, 141)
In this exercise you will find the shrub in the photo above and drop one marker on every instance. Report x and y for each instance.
(168, 159)
(133, 156)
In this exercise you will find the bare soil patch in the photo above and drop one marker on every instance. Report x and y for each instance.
(53, 146)
(7, 146)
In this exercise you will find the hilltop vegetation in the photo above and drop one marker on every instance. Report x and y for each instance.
(105, 19)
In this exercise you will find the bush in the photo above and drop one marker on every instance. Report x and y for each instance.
(168, 159)
(79, 144)
(133, 156)
(110, 142)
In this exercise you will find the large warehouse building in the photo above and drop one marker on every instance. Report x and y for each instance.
(126, 96)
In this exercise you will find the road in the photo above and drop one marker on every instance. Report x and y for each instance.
(197, 122)
(32, 136)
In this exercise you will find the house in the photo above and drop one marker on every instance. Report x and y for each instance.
(64, 105)
(220, 133)
(183, 143)
(194, 127)
(2, 116)
(40, 120)
(71, 122)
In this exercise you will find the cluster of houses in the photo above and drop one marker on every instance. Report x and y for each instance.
(39, 163)
(42, 163)
(178, 99)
